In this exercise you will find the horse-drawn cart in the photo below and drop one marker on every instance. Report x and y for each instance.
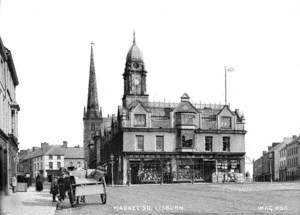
(83, 183)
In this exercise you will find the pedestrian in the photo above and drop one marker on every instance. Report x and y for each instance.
(54, 188)
(39, 182)
(14, 184)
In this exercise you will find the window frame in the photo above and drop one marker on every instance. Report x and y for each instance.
(138, 142)
(157, 137)
(226, 143)
(208, 142)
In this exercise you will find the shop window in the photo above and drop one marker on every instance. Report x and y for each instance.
(139, 120)
(58, 165)
(208, 143)
(226, 144)
(140, 142)
(50, 165)
(160, 143)
(226, 122)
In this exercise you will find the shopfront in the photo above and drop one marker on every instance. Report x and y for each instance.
(175, 168)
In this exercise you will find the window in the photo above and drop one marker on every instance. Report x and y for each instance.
(159, 143)
(50, 165)
(58, 157)
(225, 122)
(139, 120)
(58, 165)
(93, 126)
(208, 143)
(226, 144)
(140, 142)
(50, 157)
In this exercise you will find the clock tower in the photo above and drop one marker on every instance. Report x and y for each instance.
(134, 76)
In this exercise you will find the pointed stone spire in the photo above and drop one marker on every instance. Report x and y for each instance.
(92, 103)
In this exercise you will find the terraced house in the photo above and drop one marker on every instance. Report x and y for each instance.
(48, 159)
(158, 142)
(9, 110)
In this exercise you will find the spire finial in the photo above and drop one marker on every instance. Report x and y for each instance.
(133, 37)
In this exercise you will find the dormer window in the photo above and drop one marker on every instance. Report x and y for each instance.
(139, 120)
(226, 122)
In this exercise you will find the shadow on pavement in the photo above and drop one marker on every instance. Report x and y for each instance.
(39, 202)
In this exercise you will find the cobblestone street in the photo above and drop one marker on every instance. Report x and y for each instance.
(259, 198)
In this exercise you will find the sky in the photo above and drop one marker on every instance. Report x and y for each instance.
(185, 44)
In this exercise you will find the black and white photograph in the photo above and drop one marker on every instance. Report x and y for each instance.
(133, 107)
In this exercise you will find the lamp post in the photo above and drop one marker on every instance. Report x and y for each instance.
(112, 169)
(270, 159)
(91, 147)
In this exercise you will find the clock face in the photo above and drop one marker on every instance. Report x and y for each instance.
(136, 65)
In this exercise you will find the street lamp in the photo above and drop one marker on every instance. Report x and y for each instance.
(112, 169)
(270, 158)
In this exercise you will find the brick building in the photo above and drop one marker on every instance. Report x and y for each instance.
(151, 142)
(8, 118)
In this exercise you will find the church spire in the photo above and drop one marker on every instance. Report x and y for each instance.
(92, 103)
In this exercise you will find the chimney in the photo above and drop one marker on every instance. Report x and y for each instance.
(294, 137)
(65, 144)
(34, 148)
(264, 152)
(44, 145)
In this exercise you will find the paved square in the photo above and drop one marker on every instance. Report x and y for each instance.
(258, 198)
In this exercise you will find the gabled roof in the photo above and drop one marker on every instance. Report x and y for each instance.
(72, 152)
(226, 107)
(185, 107)
(55, 150)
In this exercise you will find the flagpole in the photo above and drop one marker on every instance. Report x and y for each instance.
(225, 85)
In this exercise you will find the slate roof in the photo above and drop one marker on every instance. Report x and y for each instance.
(69, 152)
(72, 152)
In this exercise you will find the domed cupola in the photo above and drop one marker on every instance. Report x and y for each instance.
(134, 54)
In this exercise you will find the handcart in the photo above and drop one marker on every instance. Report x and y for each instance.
(84, 183)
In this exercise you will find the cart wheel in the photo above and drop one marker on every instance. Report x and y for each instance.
(103, 198)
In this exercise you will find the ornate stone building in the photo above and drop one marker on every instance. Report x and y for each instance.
(9, 109)
(155, 142)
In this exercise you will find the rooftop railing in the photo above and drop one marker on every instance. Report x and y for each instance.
(174, 105)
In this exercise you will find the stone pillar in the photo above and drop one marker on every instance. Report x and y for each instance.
(125, 170)
(242, 165)
(173, 169)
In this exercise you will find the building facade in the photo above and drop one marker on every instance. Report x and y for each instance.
(155, 142)
(74, 158)
(293, 160)
(272, 165)
(48, 159)
(9, 109)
